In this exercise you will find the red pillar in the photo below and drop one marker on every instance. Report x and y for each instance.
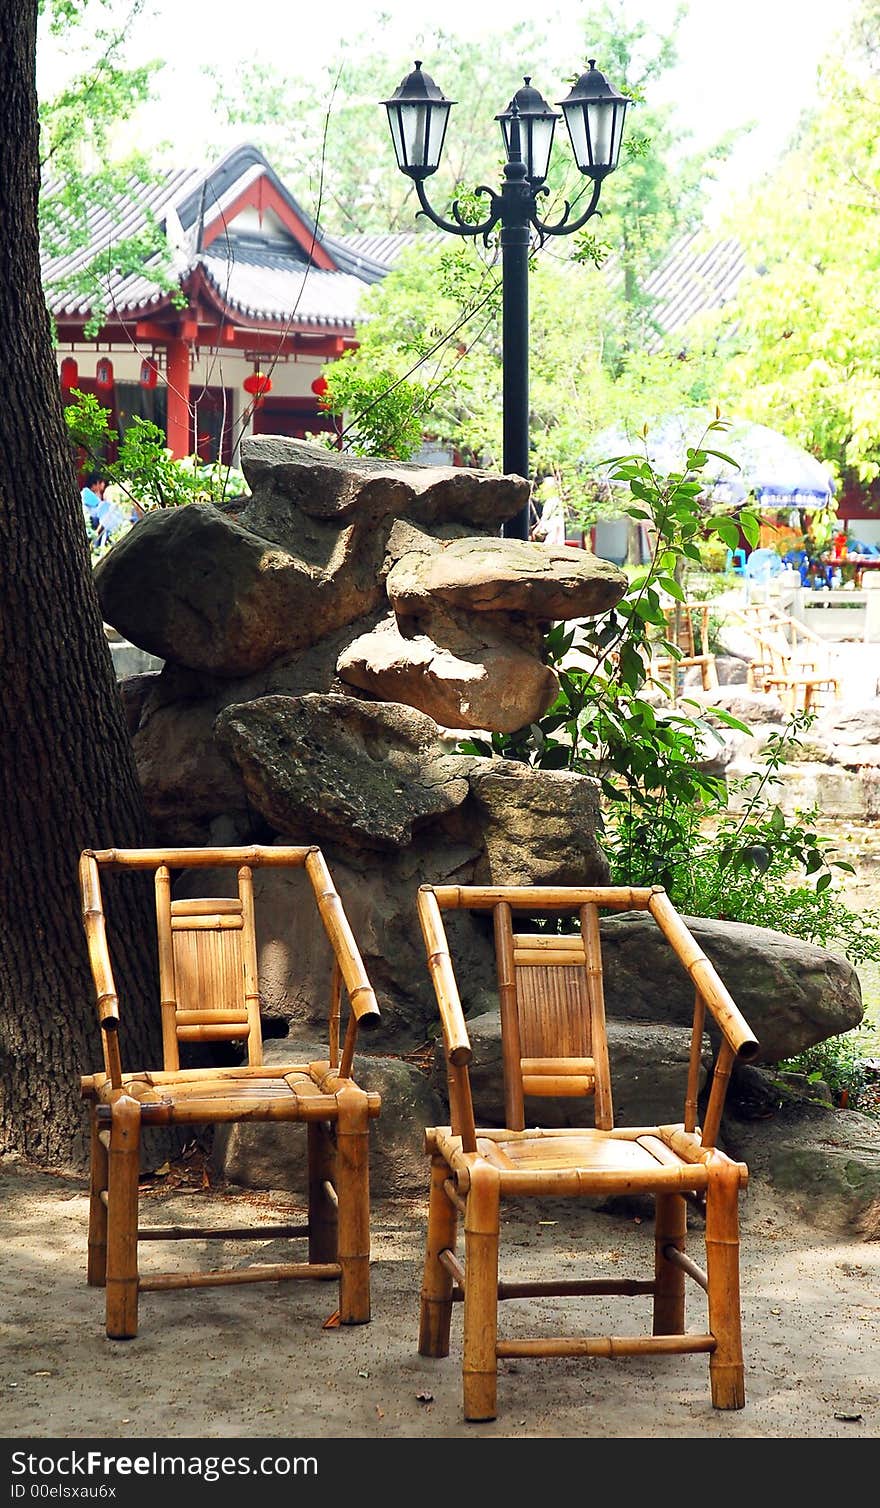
(177, 372)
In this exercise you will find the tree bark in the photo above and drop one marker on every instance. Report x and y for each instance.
(67, 775)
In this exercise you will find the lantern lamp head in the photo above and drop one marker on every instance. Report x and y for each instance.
(418, 113)
(594, 114)
(527, 126)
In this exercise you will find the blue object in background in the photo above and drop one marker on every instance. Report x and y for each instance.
(736, 562)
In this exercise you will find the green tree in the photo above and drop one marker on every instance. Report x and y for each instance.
(80, 169)
(803, 334)
(328, 137)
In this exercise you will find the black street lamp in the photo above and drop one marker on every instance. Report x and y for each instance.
(418, 113)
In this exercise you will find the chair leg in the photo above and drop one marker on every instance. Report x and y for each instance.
(670, 1229)
(726, 1371)
(481, 1234)
(435, 1314)
(96, 1270)
(353, 1191)
(122, 1256)
(323, 1219)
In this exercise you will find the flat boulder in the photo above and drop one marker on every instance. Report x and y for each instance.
(198, 589)
(334, 484)
(361, 773)
(461, 676)
(547, 582)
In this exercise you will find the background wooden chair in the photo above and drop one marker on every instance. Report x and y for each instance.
(687, 627)
(554, 1043)
(210, 993)
(789, 658)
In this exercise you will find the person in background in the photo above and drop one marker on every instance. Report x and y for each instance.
(92, 494)
(102, 516)
(550, 526)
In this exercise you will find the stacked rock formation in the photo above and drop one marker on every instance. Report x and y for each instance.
(327, 642)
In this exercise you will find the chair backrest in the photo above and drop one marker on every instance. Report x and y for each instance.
(552, 1004)
(552, 1015)
(208, 968)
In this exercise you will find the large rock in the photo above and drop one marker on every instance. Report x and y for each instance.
(362, 773)
(186, 779)
(824, 1163)
(331, 484)
(537, 827)
(850, 738)
(461, 675)
(792, 993)
(507, 575)
(195, 587)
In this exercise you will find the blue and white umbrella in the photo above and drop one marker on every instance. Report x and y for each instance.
(773, 469)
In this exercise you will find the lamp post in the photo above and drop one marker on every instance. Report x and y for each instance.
(418, 113)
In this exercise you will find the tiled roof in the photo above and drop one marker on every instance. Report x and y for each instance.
(272, 285)
(384, 247)
(699, 274)
(255, 279)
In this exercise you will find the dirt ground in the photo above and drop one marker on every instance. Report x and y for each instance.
(241, 1362)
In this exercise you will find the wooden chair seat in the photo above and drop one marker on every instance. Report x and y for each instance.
(209, 989)
(290, 1092)
(554, 1043)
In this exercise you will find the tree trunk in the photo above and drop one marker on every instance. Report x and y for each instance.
(67, 775)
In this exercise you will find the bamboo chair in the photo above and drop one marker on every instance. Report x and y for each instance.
(789, 658)
(795, 643)
(210, 993)
(554, 1043)
(687, 627)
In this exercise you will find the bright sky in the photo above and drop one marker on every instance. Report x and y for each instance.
(754, 61)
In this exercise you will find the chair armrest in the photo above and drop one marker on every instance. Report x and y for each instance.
(360, 992)
(730, 1020)
(457, 1042)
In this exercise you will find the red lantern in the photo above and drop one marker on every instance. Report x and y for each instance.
(149, 374)
(69, 373)
(257, 385)
(104, 374)
(320, 386)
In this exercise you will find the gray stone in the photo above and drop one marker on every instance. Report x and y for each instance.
(824, 1163)
(850, 738)
(194, 586)
(546, 582)
(331, 484)
(463, 676)
(363, 773)
(538, 827)
(273, 1156)
(186, 779)
(134, 691)
(792, 993)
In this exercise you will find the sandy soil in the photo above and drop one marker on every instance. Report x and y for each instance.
(240, 1362)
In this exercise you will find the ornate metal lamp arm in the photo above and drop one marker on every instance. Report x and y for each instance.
(565, 226)
(460, 226)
